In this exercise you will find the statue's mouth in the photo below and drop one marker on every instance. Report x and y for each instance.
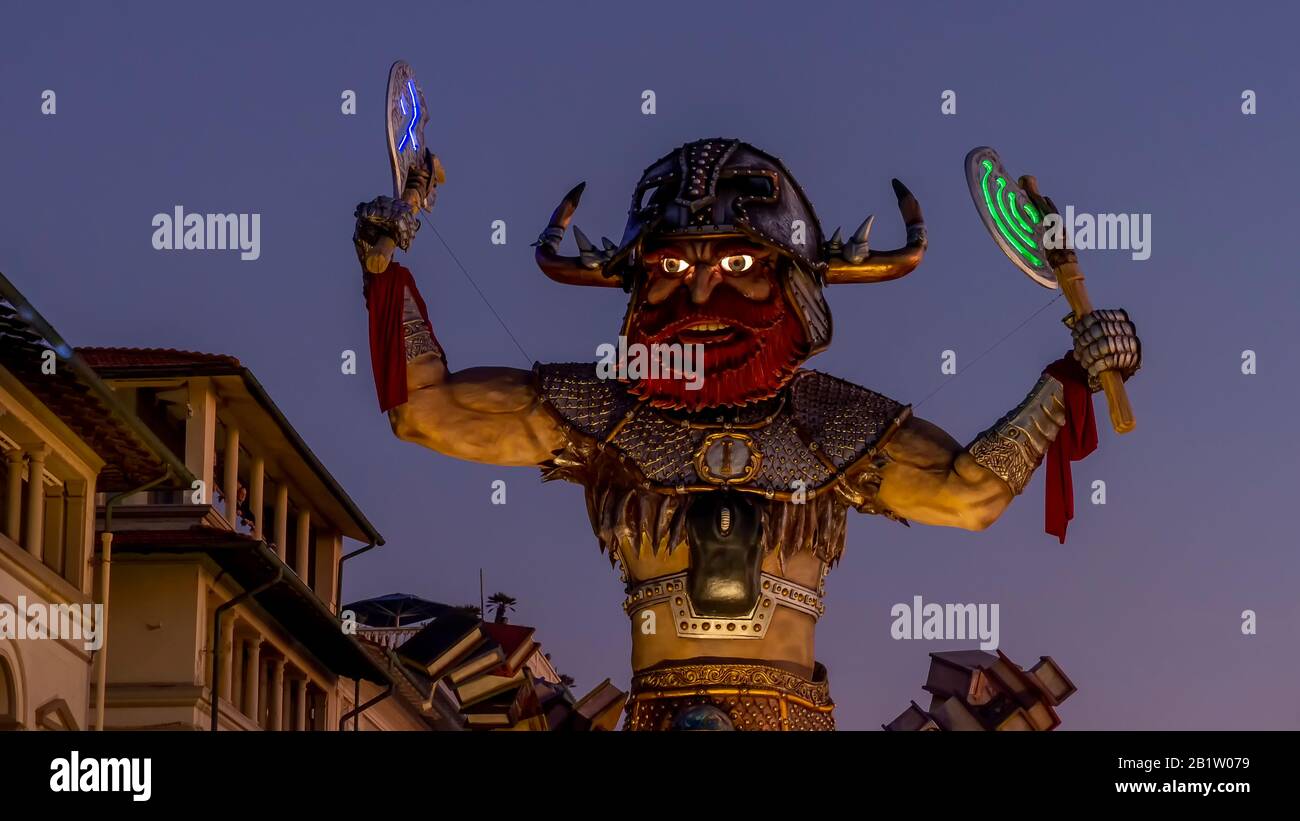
(707, 332)
(726, 341)
(749, 348)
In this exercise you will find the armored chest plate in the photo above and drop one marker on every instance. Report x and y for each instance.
(800, 440)
(811, 452)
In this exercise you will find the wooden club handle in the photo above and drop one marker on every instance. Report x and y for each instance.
(1070, 279)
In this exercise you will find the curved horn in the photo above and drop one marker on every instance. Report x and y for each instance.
(854, 262)
(582, 270)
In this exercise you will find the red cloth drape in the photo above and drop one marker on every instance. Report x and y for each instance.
(384, 300)
(1075, 441)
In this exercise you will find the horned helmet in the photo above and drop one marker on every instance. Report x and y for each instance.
(718, 188)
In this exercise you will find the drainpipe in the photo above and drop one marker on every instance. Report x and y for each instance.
(356, 691)
(215, 691)
(338, 594)
(355, 713)
(105, 567)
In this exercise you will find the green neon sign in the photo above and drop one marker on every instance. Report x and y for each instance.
(1006, 227)
(1011, 199)
(1000, 200)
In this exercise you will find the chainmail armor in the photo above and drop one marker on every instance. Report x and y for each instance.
(815, 451)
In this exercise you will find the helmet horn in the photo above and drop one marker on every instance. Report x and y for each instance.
(855, 262)
(587, 269)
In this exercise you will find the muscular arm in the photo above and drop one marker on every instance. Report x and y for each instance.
(481, 414)
(928, 477)
(931, 479)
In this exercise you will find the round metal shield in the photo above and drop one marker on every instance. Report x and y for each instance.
(407, 116)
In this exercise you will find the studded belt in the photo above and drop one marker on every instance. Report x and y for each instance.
(774, 591)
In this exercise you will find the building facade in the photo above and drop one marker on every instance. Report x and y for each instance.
(165, 496)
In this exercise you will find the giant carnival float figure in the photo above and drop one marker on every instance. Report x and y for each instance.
(724, 507)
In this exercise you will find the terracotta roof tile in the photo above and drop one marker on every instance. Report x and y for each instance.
(112, 358)
(23, 353)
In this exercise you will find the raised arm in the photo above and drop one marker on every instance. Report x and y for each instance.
(929, 478)
(481, 414)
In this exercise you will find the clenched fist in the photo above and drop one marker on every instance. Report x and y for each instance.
(398, 219)
(384, 217)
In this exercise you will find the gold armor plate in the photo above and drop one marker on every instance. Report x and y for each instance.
(754, 696)
(728, 458)
(775, 591)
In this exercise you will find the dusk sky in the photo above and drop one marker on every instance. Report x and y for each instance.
(1115, 107)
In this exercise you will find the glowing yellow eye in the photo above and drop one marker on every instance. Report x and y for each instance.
(674, 266)
(736, 264)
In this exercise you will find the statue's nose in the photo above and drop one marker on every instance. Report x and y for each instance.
(703, 280)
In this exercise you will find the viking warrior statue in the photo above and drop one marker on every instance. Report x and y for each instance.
(723, 504)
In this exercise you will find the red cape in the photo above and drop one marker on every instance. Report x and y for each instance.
(1075, 441)
(384, 299)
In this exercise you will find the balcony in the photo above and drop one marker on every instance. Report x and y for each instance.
(390, 637)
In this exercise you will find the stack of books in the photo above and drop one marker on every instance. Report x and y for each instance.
(975, 690)
(502, 680)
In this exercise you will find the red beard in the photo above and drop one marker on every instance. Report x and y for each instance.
(751, 362)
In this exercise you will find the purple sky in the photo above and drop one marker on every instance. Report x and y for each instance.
(1116, 107)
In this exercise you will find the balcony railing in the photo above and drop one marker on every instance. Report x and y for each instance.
(390, 637)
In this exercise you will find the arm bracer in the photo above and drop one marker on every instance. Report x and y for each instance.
(1014, 447)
